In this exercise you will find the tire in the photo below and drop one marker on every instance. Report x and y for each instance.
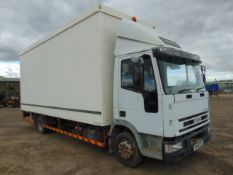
(40, 124)
(126, 150)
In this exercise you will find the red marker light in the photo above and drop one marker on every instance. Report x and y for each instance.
(133, 18)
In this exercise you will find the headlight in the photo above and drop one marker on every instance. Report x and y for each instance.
(173, 148)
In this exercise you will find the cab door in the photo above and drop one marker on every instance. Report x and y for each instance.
(139, 100)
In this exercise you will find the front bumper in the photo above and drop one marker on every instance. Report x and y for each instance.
(201, 133)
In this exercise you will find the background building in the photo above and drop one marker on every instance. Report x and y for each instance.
(9, 91)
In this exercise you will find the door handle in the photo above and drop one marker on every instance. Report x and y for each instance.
(122, 113)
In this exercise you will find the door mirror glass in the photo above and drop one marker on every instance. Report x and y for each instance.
(137, 77)
(203, 72)
(131, 75)
(149, 86)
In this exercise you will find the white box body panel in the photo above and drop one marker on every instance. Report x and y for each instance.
(70, 75)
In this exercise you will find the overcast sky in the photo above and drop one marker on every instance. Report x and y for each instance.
(204, 27)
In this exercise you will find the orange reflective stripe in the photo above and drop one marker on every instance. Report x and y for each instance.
(94, 142)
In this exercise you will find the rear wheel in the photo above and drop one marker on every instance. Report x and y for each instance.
(40, 124)
(126, 150)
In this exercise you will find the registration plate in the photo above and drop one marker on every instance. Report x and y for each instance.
(199, 143)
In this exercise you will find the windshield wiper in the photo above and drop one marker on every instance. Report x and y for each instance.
(197, 89)
(180, 91)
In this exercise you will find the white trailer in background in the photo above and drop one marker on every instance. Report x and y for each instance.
(114, 82)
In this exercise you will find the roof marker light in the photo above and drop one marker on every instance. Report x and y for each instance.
(134, 18)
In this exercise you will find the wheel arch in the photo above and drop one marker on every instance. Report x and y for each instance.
(121, 126)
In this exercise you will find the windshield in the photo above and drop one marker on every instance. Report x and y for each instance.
(180, 75)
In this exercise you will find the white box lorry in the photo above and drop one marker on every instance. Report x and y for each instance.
(112, 81)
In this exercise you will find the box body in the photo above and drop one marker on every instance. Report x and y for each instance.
(69, 74)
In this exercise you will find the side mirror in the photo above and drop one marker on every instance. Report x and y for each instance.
(203, 72)
(137, 60)
(137, 77)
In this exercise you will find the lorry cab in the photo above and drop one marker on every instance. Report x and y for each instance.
(159, 94)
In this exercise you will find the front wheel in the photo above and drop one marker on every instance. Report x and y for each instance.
(126, 150)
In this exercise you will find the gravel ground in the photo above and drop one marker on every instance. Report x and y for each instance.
(24, 151)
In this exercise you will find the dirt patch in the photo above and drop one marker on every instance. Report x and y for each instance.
(24, 151)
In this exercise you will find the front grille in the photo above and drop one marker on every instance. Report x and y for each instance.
(190, 122)
(193, 121)
(192, 116)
